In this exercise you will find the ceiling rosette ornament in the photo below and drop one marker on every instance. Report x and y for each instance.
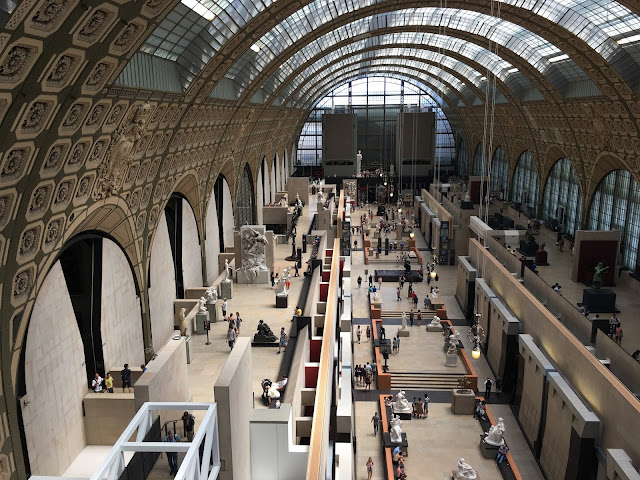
(120, 153)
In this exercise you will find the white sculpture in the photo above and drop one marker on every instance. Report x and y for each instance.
(392, 169)
(320, 197)
(435, 322)
(453, 344)
(376, 297)
(227, 271)
(358, 162)
(404, 321)
(495, 435)
(183, 322)
(203, 308)
(395, 432)
(401, 404)
(281, 283)
(211, 295)
(467, 197)
(253, 251)
(465, 471)
(298, 201)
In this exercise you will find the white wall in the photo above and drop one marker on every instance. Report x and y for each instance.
(162, 291)
(121, 325)
(228, 222)
(56, 380)
(212, 242)
(191, 252)
(258, 199)
(267, 184)
(278, 174)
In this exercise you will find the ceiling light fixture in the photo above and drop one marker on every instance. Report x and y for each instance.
(200, 9)
(564, 56)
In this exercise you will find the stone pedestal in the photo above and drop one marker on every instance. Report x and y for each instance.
(404, 445)
(404, 333)
(602, 300)
(454, 473)
(282, 301)
(451, 360)
(212, 308)
(402, 415)
(488, 451)
(261, 278)
(541, 257)
(431, 328)
(200, 319)
(226, 289)
(463, 402)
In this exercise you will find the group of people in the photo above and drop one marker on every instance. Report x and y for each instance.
(102, 385)
(234, 327)
(359, 333)
(364, 375)
(615, 329)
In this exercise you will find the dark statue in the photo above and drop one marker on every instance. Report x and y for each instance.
(264, 334)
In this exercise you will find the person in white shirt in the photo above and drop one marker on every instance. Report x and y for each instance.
(96, 384)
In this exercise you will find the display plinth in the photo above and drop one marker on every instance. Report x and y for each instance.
(451, 360)
(528, 249)
(226, 290)
(488, 450)
(431, 328)
(213, 311)
(541, 258)
(262, 277)
(402, 415)
(454, 475)
(404, 333)
(463, 402)
(200, 319)
(599, 301)
(282, 301)
(404, 445)
(382, 343)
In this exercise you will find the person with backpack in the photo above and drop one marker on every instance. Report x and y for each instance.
(188, 421)
(126, 377)
(283, 340)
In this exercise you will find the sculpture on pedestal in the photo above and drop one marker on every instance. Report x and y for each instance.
(211, 295)
(467, 197)
(358, 162)
(392, 169)
(465, 471)
(453, 344)
(404, 321)
(202, 308)
(264, 334)
(401, 404)
(495, 435)
(395, 431)
(281, 283)
(464, 385)
(376, 297)
(254, 245)
(596, 283)
(435, 322)
(183, 322)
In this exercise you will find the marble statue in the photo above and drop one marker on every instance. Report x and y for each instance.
(211, 295)
(596, 283)
(395, 431)
(453, 344)
(435, 322)
(404, 321)
(376, 296)
(227, 271)
(281, 283)
(465, 471)
(392, 169)
(183, 322)
(359, 162)
(467, 197)
(298, 201)
(203, 308)
(320, 196)
(264, 334)
(254, 246)
(495, 435)
(401, 404)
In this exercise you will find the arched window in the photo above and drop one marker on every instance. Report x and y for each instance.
(500, 173)
(244, 199)
(479, 162)
(525, 184)
(616, 206)
(561, 200)
(463, 158)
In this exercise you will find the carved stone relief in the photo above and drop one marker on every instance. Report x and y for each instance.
(142, 172)
(99, 75)
(17, 61)
(48, 16)
(141, 222)
(22, 284)
(77, 156)
(7, 199)
(63, 71)
(94, 119)
(15, 163)
(127, 37)
(52, 233)
(98, 152)
(36, 117)
(83, 190)
(96, 25)
(54, 159)
(29, 243)
(146, 196)
(153, 217)
(40, 200)
(63, 195)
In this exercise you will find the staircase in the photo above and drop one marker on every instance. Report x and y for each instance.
(424, 381)
(427, 315)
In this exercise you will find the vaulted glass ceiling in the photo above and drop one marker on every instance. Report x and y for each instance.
(196, 30)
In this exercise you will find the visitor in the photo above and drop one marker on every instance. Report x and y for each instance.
(238, 322)
(367, 378)
(426, 404)
(487, 388)
(295, 266)
(427, 302)
(415, 300)
(283, 340)
(359, 281)
(225, 304)
(370, 280)
(380, 283)
(618, 335)
(368, 333)
(419, 317)
(96, 383)
(188, 422)
(232, 322)
(411, 316)
(108, 382)
(498, 384)
(502, 453)
(376, 421)
(369, 468)
(355, 245)
(172, 457)
(273, 280)
(398, 293)
(394, 346)
(397, 344)
(231, 337)
(126, 377)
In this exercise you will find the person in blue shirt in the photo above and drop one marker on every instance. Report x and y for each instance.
(172, 457)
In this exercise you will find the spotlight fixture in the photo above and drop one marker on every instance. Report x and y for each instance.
(476, 336)
(433, 274)
(411, 235)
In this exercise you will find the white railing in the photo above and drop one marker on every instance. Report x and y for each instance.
(192, 468)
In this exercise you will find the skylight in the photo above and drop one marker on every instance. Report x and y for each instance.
(200, 9)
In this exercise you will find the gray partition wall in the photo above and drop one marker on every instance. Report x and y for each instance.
(466, 287)
(339, 140)
(502, 343)
(483, 298)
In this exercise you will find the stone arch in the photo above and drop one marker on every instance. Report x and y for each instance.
(605, 163)
(245, 195)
